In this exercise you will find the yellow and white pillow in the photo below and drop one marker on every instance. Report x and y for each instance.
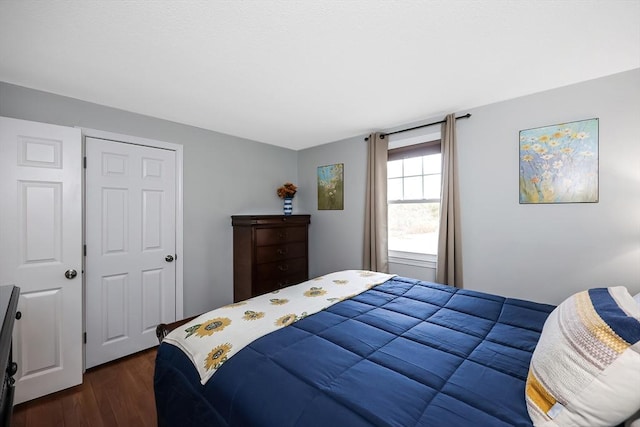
(585, 370)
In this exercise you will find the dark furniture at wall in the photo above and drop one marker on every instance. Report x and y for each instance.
(269, 252)
(8, 305)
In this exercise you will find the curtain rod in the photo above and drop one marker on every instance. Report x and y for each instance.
(466, 116)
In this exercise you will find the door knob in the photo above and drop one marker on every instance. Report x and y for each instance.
(168, 258)
(70, 274)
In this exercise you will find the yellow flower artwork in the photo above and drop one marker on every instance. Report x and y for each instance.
(559, 163)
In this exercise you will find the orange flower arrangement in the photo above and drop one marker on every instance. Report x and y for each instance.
(287, 191)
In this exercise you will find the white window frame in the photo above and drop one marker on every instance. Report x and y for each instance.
(415, 259)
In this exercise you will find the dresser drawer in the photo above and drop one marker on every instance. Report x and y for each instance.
(269, 253)
(281, 269)
(270, 285)
(275, 235)
(280, 252)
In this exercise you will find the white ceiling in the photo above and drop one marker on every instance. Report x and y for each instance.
(303, 73)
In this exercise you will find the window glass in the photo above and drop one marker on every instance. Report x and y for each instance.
(394, 189)
(413, 193)
(394, 169)
(413, 166)
(413, 188)
(432, 164)
(413, 227)
(432, 187)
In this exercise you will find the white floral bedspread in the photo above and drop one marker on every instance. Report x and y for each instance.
(212, 338)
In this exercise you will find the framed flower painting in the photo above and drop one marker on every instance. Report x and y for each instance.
(559, 163)
(331, 187)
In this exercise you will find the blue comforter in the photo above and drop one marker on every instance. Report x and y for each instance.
(406, 353)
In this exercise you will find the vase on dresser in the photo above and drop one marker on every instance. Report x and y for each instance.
(288, 205)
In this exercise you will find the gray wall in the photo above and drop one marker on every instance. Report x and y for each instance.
(335, 237)
(546, 252)
(538, 252)
(223, 175)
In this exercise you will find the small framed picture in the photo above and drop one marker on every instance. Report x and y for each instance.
(331, 187)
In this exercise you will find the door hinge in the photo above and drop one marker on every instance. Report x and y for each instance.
(84, 250)
(84, 337)
(84, 162)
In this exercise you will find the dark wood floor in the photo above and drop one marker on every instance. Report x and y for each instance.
(116, 394)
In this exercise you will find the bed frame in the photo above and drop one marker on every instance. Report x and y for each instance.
(163, 329)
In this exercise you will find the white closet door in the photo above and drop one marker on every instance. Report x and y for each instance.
(41, 251)
(131, 247)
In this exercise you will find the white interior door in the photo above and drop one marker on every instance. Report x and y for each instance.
(131, 247)
(40, 240)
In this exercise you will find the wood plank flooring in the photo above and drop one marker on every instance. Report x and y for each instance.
(116, 394)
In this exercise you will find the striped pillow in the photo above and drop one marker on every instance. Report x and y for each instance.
(585, 370)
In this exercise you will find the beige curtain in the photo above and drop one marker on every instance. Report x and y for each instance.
(376, 256)
(449, 267)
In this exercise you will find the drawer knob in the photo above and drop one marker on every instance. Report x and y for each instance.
(281, 251)
(283, 267)
(282, 235)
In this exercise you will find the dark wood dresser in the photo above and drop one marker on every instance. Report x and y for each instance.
(269, 252)
(8, 305)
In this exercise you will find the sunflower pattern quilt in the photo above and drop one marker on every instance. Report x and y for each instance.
(212, 338)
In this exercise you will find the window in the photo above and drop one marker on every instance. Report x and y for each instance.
(413, 197)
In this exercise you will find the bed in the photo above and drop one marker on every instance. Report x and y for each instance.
(401, 352)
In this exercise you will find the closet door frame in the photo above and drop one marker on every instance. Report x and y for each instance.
(178, 149)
